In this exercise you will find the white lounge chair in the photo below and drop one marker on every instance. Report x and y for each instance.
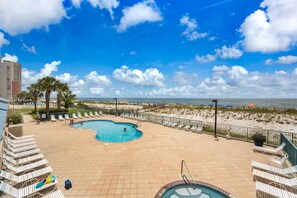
(53, 119)
(18, 144)
(22, 161)
(79, 115)
(25, 177)
(21, 138)
(22, 154)
(60, 117)
(96, 113)
(24, 168)
(187, 127)
(199, 128)
(86, 115)
(66, 117)
(23, 192)
(272, 169)
(279, 161)
(180, 126)
(21, 149)
(262, 190)
(274, 151)
(55, 194)
(74, 116)
(292, 182)
(100, 113)
(91, 114)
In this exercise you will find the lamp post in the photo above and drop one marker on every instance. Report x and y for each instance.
(216, 111)
(116, 106)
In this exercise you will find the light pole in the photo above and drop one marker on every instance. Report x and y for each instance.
(116, 106)
(216, 111)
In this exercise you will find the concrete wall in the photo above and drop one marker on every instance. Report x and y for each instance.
(16, 129)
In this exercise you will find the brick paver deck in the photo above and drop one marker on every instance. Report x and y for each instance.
(140, 168)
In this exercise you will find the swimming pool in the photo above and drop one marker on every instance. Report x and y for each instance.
(200, 189)
(109, 131)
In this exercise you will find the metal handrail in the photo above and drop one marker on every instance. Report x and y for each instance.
(184, 177)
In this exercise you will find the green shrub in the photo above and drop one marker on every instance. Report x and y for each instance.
(259, 137)
(16, 118)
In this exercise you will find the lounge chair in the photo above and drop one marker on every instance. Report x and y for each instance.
(274, 151)
(187, 127)
(165, 123)
(74, 116)
(96, 113)
(86, 115)
(53, 119)
(25, 191)
(100, 113)
(55, 194)
(60, 117)
(21, 149)
(172, 124)
(279, 161)
(22, 160)
(262, 190)
(292, 182)
(193, 128)
(66, 116)
(14, 144)
(199, 128)
(91, 114)
(24, 168)
(21, 138)
(180, 126)
(79, 115)
(25, 177)
(22, 154)
(272, 169)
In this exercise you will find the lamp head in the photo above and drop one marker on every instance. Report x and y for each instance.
(214, 100)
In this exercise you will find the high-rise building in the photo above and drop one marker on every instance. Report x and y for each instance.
(10, 79)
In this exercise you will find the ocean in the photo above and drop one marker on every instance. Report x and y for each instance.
(279, 103)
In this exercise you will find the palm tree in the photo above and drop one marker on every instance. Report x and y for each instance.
(22, 96)
(34, 93)
(48, 84)
(61, 87)
(67, 98)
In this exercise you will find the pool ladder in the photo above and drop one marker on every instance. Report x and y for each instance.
(139, 122)
(184, 177)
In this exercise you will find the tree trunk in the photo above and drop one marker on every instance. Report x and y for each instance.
(66, 105)
(59, 100)
(35, 105)
(47, 100)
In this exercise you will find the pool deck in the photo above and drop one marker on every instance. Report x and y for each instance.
(140, 168)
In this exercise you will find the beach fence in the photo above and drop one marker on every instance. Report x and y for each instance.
(273, 137)
(290, 148)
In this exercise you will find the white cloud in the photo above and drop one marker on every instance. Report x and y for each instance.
(96, 90)
(29, 49)
(181, 67)
(21, 16)
(236, 81)
(150, 77)
(133, 53)
(190, 33)
(118, 92)
(3, 41)
(75, 84)
(271, 28)
(231, 52)
(94, 77)
(29, 76)
(282, 60)
(105, 4)
(146, 11)
(76, 3)
(182, 78)
(11, 58)
(205, 59)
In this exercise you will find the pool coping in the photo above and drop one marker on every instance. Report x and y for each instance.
(178, 182)
(100, 141)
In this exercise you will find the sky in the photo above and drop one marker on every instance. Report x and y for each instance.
(155, 48)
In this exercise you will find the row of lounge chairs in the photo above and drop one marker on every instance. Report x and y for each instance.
(135, 117)
(23, 164)
(188, 127)
(74, 116)
(279, 182)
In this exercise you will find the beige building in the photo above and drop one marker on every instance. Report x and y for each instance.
(10, 79)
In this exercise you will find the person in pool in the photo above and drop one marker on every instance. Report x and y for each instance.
(125, 129)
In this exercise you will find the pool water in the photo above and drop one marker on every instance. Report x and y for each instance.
(109, 131)
(187, 191)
